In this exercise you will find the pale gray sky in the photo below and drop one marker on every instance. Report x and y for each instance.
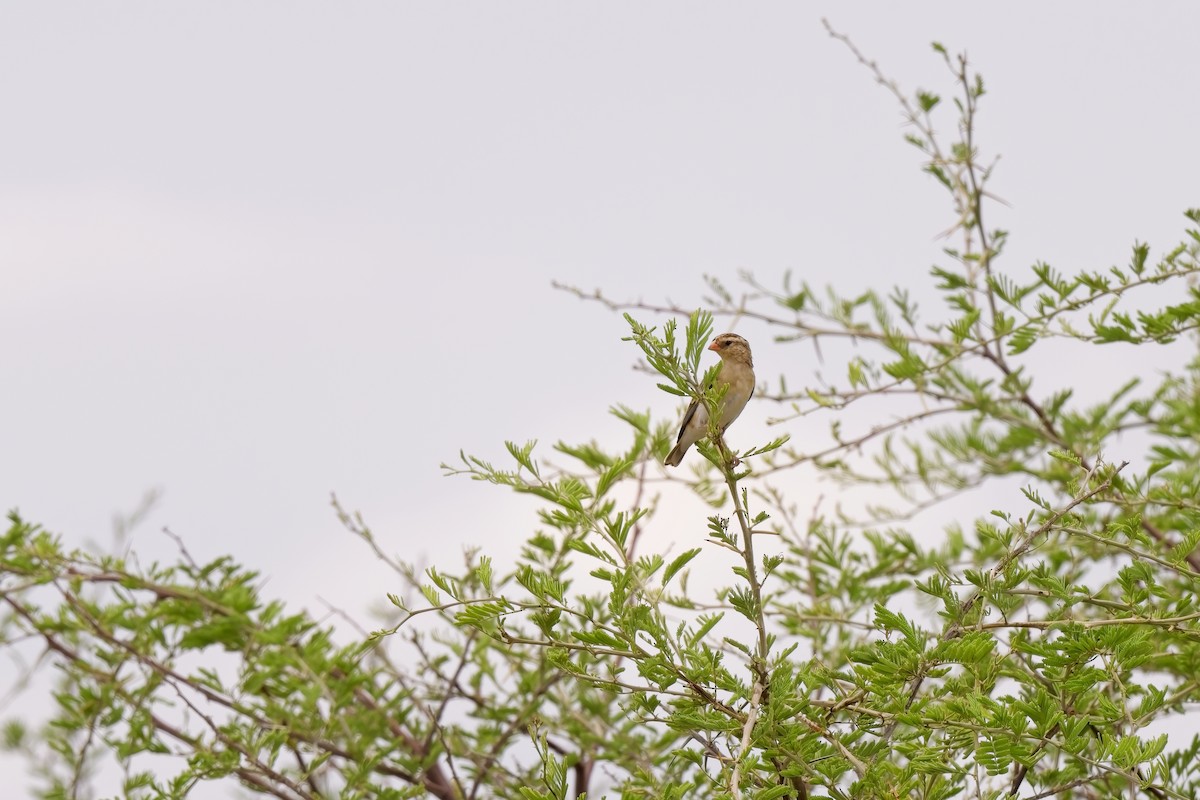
(251, 253)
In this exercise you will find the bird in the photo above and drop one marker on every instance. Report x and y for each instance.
(737, 373)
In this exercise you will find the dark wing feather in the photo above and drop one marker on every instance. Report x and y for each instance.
(691, 412)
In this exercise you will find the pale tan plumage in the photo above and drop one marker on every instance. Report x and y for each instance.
(736, 372)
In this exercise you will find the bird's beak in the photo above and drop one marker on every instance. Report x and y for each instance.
(713, 346)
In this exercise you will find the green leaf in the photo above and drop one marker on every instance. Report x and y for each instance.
(677, 564)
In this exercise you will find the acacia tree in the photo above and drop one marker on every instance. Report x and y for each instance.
(1022, 653)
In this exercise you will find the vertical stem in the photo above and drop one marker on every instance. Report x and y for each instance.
(751, 567)
(758, 664)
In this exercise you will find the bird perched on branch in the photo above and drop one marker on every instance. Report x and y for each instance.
(737, 373)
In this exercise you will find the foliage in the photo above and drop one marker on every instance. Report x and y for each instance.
(1019, 652)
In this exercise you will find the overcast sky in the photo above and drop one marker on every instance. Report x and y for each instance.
(255, 252)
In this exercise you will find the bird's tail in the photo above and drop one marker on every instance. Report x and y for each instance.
(676, 455)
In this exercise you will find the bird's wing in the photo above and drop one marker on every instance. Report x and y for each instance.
(691, 412)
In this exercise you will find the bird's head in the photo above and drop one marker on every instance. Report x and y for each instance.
(731, 347)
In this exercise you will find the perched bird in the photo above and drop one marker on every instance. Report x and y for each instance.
(736, 372)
